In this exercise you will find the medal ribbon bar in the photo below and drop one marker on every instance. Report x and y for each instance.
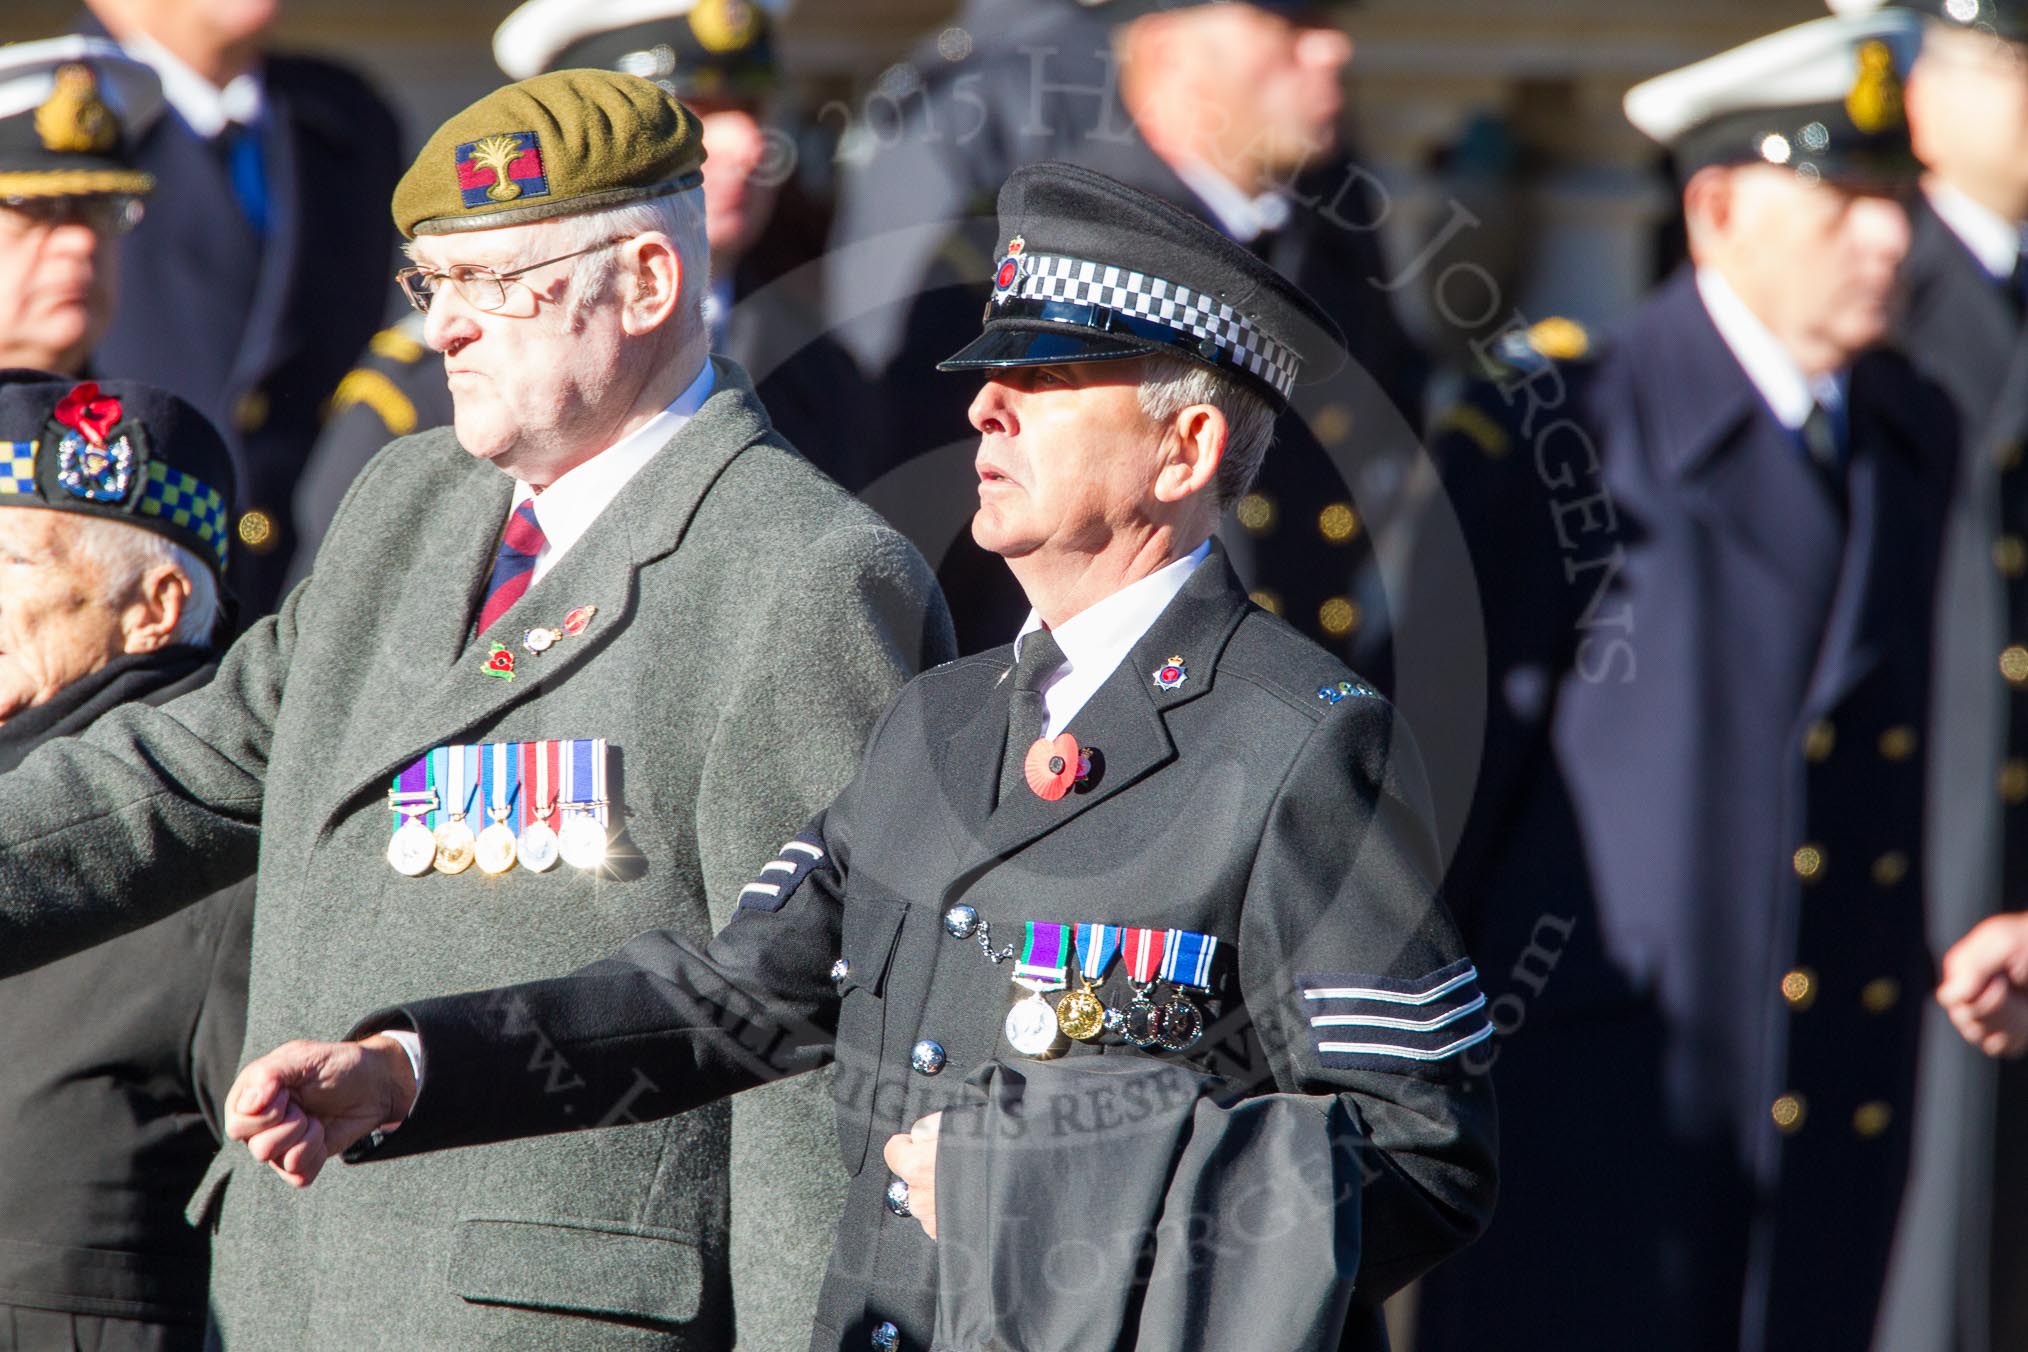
(1045, 956)
(1186, 960)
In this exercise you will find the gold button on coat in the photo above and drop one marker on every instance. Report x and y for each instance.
(1890, 868)
(1339, 616)
(1880, 995)
(1808, 862)
(2014, 664)
(1338, 523)
(1788, 1113)
(1898, 743)
(1255, 513)
(1871, 1119)
(257, 531)
(1799, 988)
(2013, 783)
(1819, 742)
(2010, 556)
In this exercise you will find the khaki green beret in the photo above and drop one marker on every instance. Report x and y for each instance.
(554, 145)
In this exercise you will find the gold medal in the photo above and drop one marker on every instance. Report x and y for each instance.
(495, 848)
(1081, 1015)
(456, 845)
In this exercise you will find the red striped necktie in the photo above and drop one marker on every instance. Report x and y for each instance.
(513, 566)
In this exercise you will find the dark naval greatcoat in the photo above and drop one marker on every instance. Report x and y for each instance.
(1265, 798)
(752, 623)
(1967, 1241)
(1693, 868)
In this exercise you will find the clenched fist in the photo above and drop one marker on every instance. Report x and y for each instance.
(304, 1102)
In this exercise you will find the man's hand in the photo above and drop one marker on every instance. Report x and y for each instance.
(306, 1101)
(1985, 985)
(913, 1159)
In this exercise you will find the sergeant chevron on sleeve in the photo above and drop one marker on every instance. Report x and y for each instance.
(1116, 933)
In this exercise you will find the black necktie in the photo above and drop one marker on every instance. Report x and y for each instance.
(1027, 714)
(2017, 285)
(1820, 439)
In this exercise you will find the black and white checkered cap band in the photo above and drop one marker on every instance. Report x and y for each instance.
(1077, 281)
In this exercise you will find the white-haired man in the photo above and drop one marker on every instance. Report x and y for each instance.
(117, 1057)
(557, 677)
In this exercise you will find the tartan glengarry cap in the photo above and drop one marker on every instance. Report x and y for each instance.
(119, 450)
(71, 109)
(702, 49)
(1823, 99)
(1093, 270)
(552, 145)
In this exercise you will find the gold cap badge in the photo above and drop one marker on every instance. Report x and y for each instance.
(1874, 104)
(74, 120)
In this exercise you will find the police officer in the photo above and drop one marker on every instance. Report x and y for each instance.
(718, 57)
(1693, 866)
(1230, 111)
(1161, 799)
(562, 643)
(114, 500)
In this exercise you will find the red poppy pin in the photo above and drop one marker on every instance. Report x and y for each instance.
(1054, 766)
(86, 411)
(500, 662)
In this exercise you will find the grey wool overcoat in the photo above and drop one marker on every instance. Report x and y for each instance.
(753, 620)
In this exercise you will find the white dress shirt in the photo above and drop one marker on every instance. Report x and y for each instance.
(198, 101)
(1243, 216)
(1097, 639)
(1790, 394)
(1993, 239)
(566, 509)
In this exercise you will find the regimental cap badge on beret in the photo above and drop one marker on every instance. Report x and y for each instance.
(123, 450)
(553, 145)
(1874, 104)
(1095, 270)
(501, 168)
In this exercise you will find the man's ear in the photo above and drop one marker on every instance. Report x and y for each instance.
(1708, 202)
(652, 282)
(1192, 453)
(149, 620)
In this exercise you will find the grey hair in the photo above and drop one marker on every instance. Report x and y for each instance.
(1171, 384)
(680, 216)
(121, 555)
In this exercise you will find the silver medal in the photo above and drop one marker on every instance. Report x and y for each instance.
(536, 850)
(413, 849)
(582, 842)
(1031, 1027)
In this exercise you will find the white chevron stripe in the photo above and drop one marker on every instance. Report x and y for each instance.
(1387, 1049)
(1407, 1025)
(803, 847)
(1464, 978)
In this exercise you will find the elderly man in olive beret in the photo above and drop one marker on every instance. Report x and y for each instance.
(570, 670)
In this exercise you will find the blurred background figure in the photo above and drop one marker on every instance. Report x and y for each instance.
(116, 1059)
(765, 307)
(264, 261)
(70, 112)
(1705, 559)
(1232, 111)
(1963, 326)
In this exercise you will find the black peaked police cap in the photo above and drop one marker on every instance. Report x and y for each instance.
(1092, 270)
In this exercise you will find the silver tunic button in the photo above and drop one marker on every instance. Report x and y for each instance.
(927, 1057)
(897, 1196)
(961, 921)
(886, 1338)
(839, 971)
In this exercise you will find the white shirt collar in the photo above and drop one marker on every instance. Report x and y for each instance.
(1243, 217)
(1790, 395)
(1097, 639)
(566, 509)
(1993, 239)
(199, 102)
